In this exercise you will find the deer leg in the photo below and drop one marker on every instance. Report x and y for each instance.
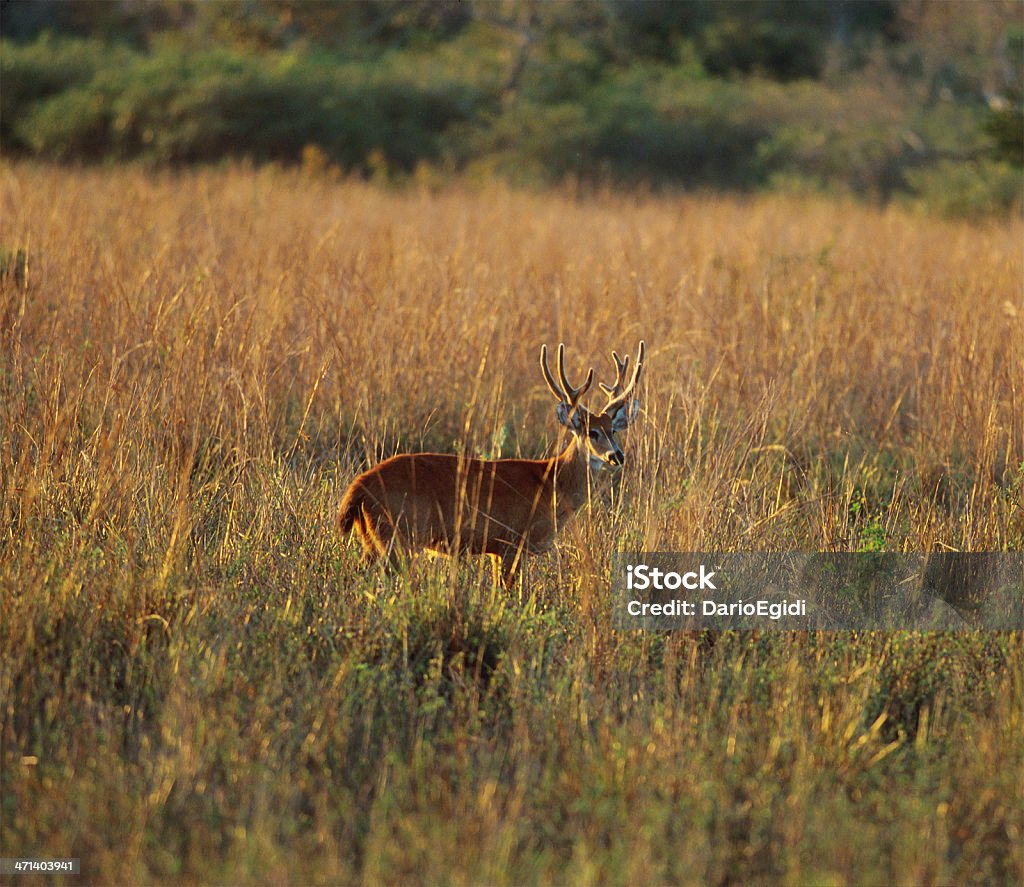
(380, 540)
(506, 565)
(364, 533)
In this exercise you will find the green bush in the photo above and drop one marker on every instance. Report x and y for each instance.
(650, 123)
(657, 125)
(974, 189)
(529, 143)
(476, 103)
(784, 38)
(46, 68)
(174, 106)
(1005, 126)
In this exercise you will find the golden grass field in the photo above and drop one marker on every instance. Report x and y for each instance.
(199, 682)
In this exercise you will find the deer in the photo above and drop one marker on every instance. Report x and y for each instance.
(501, 508)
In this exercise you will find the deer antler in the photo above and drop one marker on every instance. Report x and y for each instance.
(621, 366)
(617, 395)
(565, 393)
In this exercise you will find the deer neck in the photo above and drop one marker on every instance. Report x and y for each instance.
(572, 475)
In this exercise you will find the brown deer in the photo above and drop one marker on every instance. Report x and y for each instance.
(502, 508)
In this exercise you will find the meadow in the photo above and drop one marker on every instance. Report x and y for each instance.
(201, 684)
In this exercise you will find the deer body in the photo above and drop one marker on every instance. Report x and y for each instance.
(503, 508)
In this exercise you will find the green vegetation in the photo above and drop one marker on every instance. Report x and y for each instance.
(873, 99)
(199, 683)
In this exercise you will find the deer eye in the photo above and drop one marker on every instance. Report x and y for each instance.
(594, 435)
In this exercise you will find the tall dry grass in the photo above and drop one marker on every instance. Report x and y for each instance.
(199, 682)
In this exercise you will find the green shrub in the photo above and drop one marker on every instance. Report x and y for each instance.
(1005, 126)
(646, 123)
(173, 106)
(783, 38)
(455, 106)
(46, 68)
(974, 189)
(529, 143)
(698, 133)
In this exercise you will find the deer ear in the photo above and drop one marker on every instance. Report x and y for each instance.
(625, 415)
(569, 417)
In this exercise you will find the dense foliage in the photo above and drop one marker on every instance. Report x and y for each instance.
(869, 98)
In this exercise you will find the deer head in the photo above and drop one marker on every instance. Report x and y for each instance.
(595, 432)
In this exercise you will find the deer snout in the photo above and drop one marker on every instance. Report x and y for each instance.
(616, 457)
